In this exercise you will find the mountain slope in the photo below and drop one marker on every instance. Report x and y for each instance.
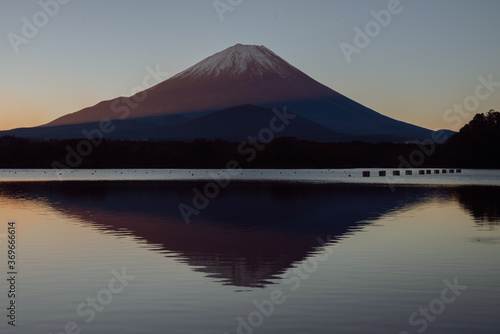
(246, 74)
(239, 123)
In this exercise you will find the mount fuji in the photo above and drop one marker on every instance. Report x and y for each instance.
(245, 80)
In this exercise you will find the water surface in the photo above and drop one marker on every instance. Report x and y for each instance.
(342, 258)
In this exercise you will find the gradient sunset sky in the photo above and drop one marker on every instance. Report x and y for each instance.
(427, 59)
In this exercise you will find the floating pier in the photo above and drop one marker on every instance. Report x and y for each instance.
(383, 173)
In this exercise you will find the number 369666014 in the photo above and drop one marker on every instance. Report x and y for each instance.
(11, 254)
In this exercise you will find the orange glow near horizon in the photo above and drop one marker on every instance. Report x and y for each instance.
(20, 111)
(24, 121)
(17, 111)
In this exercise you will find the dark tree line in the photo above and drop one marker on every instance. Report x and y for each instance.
(280, 153)
(476, 145)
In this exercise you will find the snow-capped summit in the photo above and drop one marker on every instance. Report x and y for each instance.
(237, 60)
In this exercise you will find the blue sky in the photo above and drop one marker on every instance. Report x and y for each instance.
(427, 59)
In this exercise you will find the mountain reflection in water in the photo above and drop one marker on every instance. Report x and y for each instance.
(251, 233)
(482, 203)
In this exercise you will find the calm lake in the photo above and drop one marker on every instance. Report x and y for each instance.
(319, 252)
